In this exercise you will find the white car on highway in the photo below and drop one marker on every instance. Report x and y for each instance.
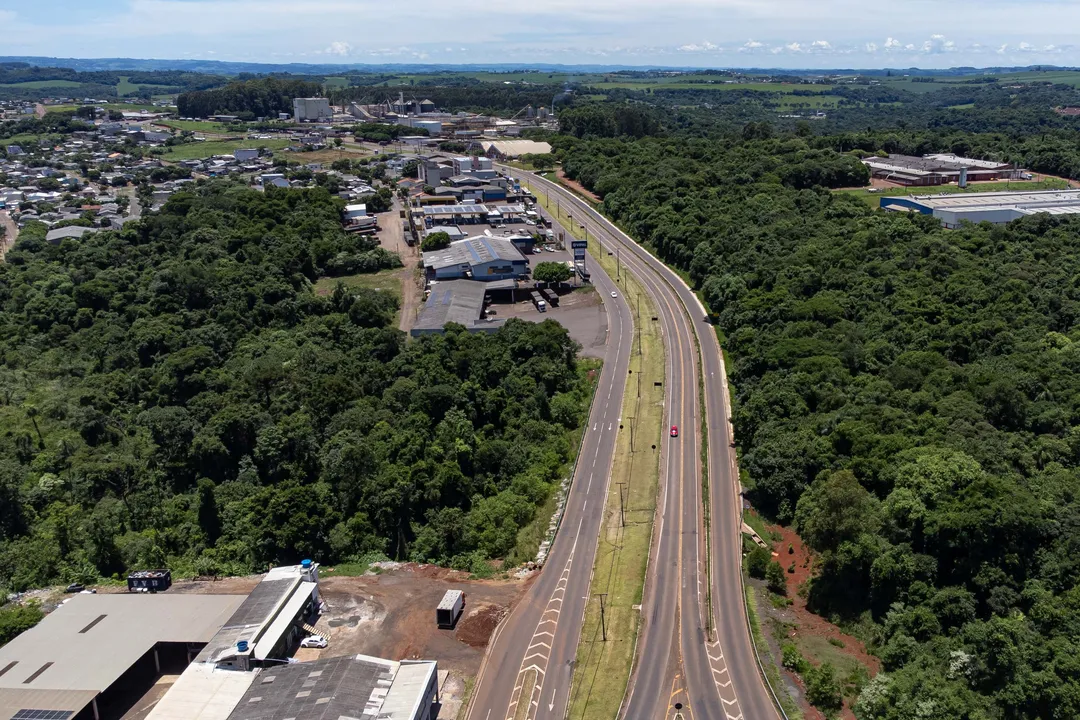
(614, 294)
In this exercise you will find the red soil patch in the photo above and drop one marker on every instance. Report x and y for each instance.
(476, 627)
(806, 623)
(576, 186)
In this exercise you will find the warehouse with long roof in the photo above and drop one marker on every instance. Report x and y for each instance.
(993, 207)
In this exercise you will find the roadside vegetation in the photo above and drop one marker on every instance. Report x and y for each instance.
(904, 394)
(175, 394)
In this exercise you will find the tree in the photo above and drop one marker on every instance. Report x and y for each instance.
(16, 619)
(435, 241)
(551, 272)
(774, 577)
(822, 688)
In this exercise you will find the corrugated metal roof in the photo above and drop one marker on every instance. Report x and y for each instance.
(86, 644)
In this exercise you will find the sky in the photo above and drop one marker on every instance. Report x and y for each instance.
(690, 33)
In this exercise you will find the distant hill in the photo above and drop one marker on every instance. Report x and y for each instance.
(219, 67)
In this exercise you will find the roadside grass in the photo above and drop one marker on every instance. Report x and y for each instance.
(602, 669)
(60, 108)
(758, 524)
(768, 662)
(197, 150)
(466, 696)
(997, 186)
(530, 536)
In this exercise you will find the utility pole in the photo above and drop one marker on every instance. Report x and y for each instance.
(622, 509)
(603, 624)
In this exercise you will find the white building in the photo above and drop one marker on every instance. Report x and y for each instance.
(312, 110)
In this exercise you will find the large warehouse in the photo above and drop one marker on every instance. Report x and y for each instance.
(994, 207)
(96, 656)
(940, 169)
(479, 258)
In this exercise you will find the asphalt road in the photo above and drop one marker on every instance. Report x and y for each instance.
(530, 661)
(710, 671)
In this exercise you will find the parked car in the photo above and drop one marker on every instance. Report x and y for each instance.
(313, 641)
(74, 588)
(674, 431)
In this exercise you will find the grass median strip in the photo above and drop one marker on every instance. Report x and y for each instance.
(603, 666)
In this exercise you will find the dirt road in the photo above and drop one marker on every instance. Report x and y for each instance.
(392, 237)
(11, 232)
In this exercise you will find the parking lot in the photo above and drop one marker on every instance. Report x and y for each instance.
(581, 311)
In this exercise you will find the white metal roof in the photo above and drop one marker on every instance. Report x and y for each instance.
(203, 692)
(284, 620)
(91, 640)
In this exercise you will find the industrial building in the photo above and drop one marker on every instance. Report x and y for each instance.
(96, 654)
(312, 110)
(81, 657)
(460, 302)
(477, 258)
(994, 207)
(939, 169)
(353, 686)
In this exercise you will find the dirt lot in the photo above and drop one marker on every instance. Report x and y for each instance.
(817, 639)
(392, 615)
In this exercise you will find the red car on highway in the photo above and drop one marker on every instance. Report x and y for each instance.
(674, 431)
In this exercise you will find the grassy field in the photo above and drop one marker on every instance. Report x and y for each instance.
(337, 82)
(872, 198)
(682, 84)
(41, 84)
(196, 126)
(388, 281)
(21, 140)
(61, 108)
(135, 107)
(197, 150)
(603, 668)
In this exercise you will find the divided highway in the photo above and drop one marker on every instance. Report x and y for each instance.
(529, 666)
(711, 674)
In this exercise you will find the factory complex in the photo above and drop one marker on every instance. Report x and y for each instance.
(993, 207)
(97, 654)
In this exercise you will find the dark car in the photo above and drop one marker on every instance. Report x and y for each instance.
(674, 431)
(74, 588)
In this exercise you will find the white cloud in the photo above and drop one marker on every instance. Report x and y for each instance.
(794, 47)
(339, 48)
(891, 43)
(696, 47)
(751, 46)
(1001, 50)
(821, 45)
(871, 47)
(938, 44)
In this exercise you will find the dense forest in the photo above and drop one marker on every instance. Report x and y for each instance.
(907, 397)
(176, 394)
(249, 99)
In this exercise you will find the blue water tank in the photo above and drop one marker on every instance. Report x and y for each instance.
(242, 646)
(306, 564)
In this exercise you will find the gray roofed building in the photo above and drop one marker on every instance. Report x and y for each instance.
(353, 686)
(480, 257)
(58, 236)
(454, 301)
(79, 650)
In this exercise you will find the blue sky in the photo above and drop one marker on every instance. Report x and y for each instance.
(707, 33)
